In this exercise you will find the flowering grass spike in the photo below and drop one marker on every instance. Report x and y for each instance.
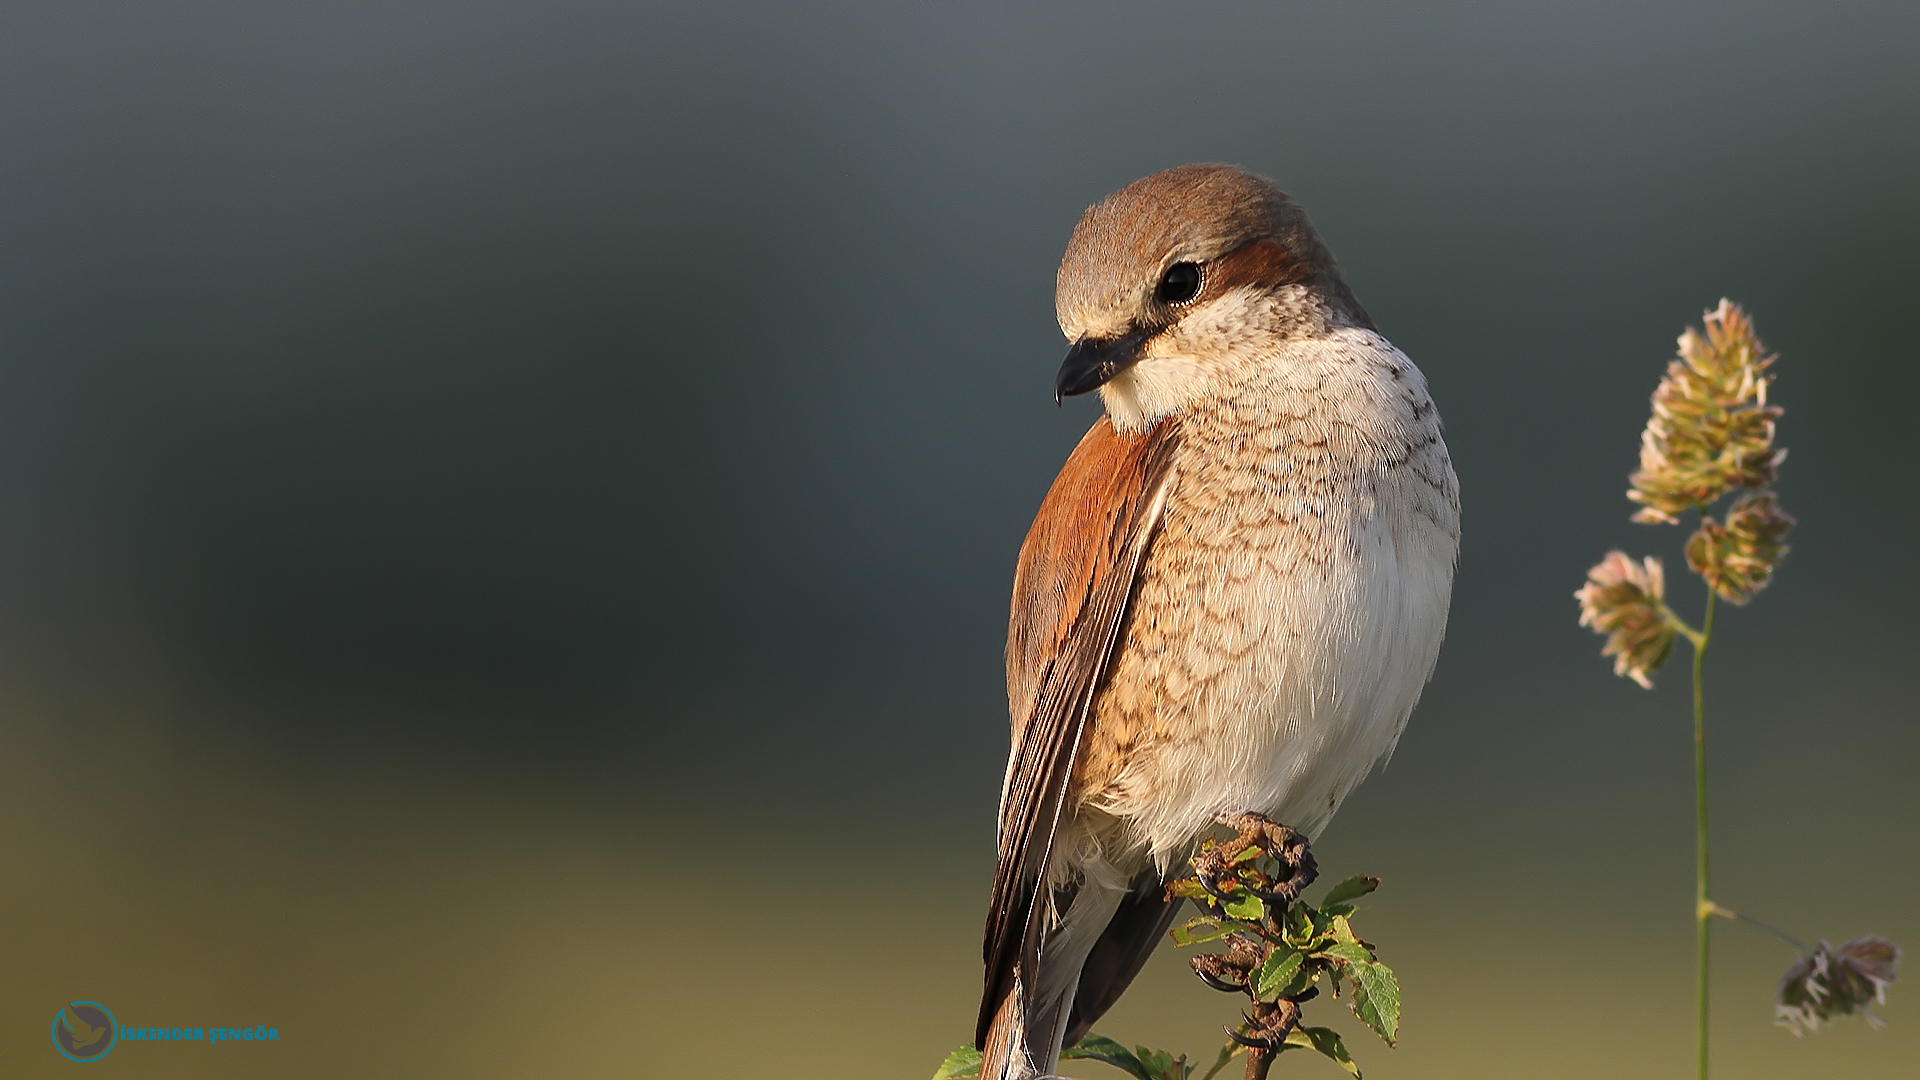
(1837, 982)
(1711, 430)
(1711, 434)
(1737, 559)
(1626, 601)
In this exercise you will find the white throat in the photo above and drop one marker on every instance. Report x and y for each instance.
(1155, 387)
(1194, 359)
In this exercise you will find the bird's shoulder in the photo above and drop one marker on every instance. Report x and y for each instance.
(1079, 539)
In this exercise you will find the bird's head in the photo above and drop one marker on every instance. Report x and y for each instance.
(1171, 280)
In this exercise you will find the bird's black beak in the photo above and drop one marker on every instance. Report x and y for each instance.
(1093, 362)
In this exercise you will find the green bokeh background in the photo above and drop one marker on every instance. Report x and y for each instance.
(468, 468)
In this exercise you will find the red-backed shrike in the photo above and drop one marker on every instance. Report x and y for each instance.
(1231, 597)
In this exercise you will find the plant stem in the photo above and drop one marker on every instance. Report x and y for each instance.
(1703, 907)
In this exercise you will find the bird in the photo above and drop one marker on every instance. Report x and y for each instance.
(1230, 599)
(83, 1033)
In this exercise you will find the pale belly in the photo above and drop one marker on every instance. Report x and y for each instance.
(1275, 650)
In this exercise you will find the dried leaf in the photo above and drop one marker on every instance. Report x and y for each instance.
(1188, 888)
(1204, 928)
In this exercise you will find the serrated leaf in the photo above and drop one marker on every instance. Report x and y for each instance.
(1245, 906)
(1327, 1041)
(1352, 888)
(1342, 910)
(1376, 998)
(964, 1062)
(1276, 977)
(1101, 1048)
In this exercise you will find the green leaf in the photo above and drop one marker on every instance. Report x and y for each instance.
(1307, 930)
(1342, 910)
(1161, 1065)
(1350, 952)
(1376, 998)
(1299, 926)
(963, 1062)
(1352, 888)
(1327, 1041)
(1245, 906)
(1342, 930)
(1282, 974)
(1227, 1053)
(1101, 1048)
(1203, 928)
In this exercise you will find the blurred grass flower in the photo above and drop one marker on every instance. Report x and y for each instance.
(1837, 982)
(1626, 600)
(1710, 435)
(1711, 430)
(1737, 559)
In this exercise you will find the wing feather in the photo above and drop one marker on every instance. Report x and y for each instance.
(1071, 595)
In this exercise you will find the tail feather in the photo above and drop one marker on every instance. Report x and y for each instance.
(1137, 926)
(1022, 1040)
(1005, 1053)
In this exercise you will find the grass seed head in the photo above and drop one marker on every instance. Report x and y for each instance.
(1837, 982)
(1711, 430)
(1738, 559)
(1626, 600)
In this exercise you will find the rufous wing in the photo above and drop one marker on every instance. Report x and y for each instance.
(1075, 582)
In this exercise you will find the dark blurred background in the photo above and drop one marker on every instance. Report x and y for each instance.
(470, 472)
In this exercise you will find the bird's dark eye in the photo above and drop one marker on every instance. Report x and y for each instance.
(1179, 284)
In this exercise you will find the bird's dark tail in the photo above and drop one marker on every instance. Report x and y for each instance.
(1075, 972)
(1137, 926)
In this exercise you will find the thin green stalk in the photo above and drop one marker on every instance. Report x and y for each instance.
(1802, 946)
(1703, 907)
